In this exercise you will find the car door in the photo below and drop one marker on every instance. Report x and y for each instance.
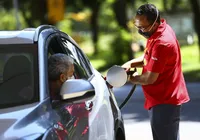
(100, 121)
(71, 121)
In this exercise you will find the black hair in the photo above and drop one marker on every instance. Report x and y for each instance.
(58, 64)
(150, 11)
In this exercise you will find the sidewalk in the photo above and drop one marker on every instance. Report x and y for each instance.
(142, 131)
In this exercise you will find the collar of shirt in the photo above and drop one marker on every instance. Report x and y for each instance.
(159, 30)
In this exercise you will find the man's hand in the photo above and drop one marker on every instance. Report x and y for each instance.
(136, 62)
(127, 66)
(132, 73)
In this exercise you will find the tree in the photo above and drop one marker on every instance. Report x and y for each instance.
(94, 6)
(119, 8)
(196, 10)
(30, 12)
(173, 6)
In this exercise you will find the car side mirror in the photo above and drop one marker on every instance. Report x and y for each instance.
(76, 90)
(116, 76)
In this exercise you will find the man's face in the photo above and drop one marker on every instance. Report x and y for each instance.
(70, 72)
(144, 27)
(63, 77)
(67, 74)
(56, 84)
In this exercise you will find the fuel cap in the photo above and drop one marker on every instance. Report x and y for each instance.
(116, 76)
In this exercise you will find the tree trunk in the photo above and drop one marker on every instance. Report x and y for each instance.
(120, 13)
(37, 9)
(165, 5)
(94, 26)
(196, 11)
(175, 5)
(27, 18)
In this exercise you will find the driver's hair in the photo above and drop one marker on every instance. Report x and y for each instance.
(57, 64)
(150, 11)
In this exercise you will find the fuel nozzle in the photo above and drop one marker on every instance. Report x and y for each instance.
(131, 71)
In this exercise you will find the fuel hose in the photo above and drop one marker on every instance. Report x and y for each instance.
(111, 80)
(131, 91)
(128, 97)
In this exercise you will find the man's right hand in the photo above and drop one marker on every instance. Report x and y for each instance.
(127, 66)
(137, 64)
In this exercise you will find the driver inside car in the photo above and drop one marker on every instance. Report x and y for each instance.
(60, 69)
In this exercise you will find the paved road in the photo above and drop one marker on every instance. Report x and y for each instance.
(136, 118)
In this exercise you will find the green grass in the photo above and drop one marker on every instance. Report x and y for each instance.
(191, 63)
(190, 58)
(99, 60)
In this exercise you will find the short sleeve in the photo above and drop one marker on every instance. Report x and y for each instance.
(158, 58)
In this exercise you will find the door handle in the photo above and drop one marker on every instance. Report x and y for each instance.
(88, 105)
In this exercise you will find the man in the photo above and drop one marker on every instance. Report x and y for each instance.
(60, 68)
(162, 78)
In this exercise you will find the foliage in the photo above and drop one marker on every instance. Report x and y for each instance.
(172, 6)
(195, 4)
(121, 46)
(29, 10)
(65, 26)
(107, 22)
(8, 21)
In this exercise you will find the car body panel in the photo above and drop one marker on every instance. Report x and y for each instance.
(42, 62)
(22, 120)
(101, 111)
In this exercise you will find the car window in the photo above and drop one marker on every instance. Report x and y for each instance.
(75, 52)
(71, 50)
(18, 75)
(84, 60)
(56, 45)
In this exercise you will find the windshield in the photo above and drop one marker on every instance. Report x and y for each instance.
(18, 75)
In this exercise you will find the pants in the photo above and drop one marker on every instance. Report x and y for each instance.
(164, 119)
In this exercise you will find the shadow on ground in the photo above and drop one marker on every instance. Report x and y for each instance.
(192, 76)
(134, 109)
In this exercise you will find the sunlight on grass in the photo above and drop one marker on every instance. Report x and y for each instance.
(191, 63)
(87, 46)
(96, 63)
(105, 41)
(104, 47)
(190, 58)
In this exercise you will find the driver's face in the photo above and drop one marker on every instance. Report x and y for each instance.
(70, 72)
(67, 74)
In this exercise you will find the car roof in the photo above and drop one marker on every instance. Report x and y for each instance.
(16, 37)
(26, 36)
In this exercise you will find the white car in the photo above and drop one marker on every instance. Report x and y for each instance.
(88, 109)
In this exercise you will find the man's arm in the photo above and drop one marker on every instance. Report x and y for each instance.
(137, 62)
(145, 79)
